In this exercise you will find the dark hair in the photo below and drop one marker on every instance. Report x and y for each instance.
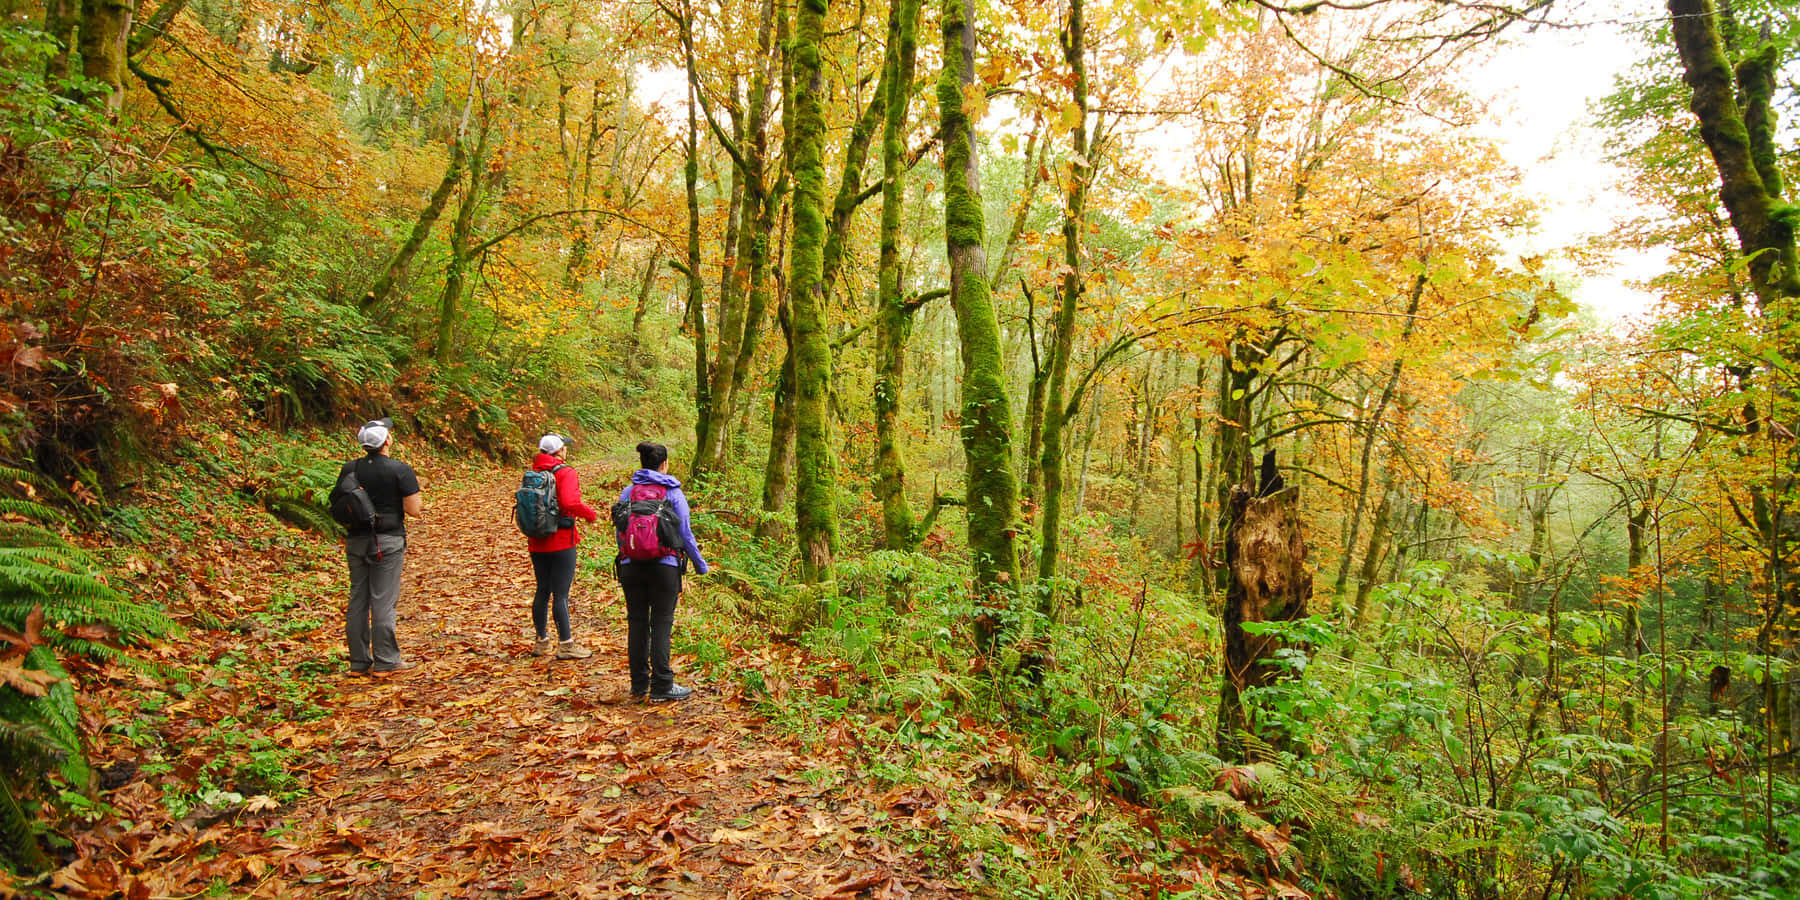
(652, 455)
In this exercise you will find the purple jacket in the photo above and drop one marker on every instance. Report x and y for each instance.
(677, 499)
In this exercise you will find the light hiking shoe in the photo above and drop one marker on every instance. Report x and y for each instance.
(572, 650)
(543, 647)
(672, 692)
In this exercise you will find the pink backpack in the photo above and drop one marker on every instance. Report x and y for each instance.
(645, 524)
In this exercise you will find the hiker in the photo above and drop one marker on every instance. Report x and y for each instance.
(553, 557)
(376, 552)
(653, 585)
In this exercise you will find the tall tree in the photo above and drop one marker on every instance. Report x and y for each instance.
(815, 462)
(1739, 125)
(1083, 151)
(894, 324)
(992, 491)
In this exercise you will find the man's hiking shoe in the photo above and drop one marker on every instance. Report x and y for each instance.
(393, 670)
(572, 650)
(672, 692)
(543, 647)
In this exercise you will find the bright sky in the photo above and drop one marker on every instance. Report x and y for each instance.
(1543, 85)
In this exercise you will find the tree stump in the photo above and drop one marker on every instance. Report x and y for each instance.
(1265, 556)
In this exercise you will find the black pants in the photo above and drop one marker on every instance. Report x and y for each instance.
(651, 590)
(555, 572)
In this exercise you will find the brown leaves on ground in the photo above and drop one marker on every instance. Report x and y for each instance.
(487, 771)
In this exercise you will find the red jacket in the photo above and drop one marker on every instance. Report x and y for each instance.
(568, 499)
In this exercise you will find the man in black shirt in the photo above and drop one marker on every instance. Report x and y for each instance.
(375, 555)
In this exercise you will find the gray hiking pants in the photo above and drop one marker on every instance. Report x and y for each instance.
(375, 562)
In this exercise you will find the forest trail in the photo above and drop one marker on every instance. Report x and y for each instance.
(489, 772)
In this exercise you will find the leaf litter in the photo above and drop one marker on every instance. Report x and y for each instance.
(487, 772)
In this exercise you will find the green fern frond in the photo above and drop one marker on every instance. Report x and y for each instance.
(28, 754)
(18, 837)
(24, 534)
(32, 510)
(303, 512)
(37, 481)
(61, 557)
(56, 715)
(26, 749)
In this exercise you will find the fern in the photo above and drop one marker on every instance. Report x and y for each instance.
(25, 534)
(41, 736)
(63, 581)
(37, 736)
(24, 752)
(300, 508)
(36, 483)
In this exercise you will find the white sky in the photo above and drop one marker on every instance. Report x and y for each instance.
(1543, 85)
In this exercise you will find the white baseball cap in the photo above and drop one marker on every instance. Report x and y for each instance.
(373, 436)
(550, 443)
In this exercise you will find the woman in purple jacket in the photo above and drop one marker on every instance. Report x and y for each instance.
(652, 586)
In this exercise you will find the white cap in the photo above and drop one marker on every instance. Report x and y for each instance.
(373, 436)
(550, 443)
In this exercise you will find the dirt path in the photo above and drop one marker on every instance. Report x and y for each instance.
(489, 772)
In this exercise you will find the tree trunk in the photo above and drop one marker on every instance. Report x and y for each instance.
(781, 438)
(815, 465)
(1074, 223)
(105, 28)
(394, 274)
(696, 290)
(462, 229)
(1372, 432)
(894, 327)
(1738, 128)
(61, 18)
(986, 414)
(1200, 571)
(645, 289)
(1266, 556)
(741, 307)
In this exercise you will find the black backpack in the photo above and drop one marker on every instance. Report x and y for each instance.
(350, 505)
(535, 507)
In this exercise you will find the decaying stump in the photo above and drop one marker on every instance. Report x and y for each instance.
(1265, 556)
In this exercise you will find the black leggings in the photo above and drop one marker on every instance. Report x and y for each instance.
(651, 591)
(555, 572)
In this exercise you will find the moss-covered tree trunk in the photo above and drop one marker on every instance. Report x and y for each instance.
(815, 464)
(1056, 412)
(461, 239)
(1738, 124)
(696, 290)
(781, 438)
(1231, 437)
(992, 492)
(894, 327)
(61, 18)
(745, 296)
(1265, 553)
(393, 275)
(105, 29)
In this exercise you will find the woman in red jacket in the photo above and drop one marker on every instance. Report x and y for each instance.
(553, 557)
